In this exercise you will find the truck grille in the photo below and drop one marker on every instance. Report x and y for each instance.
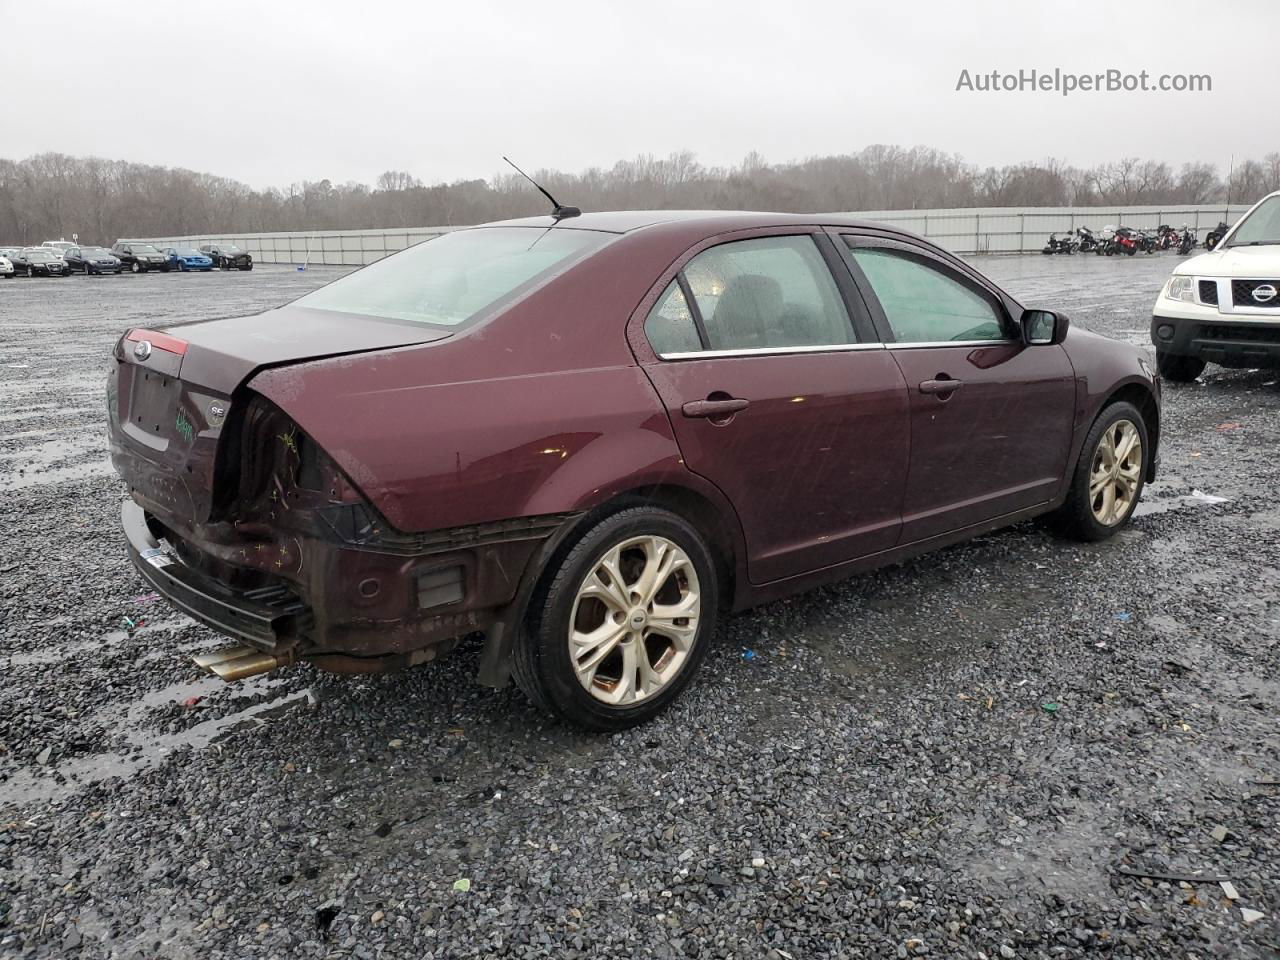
(1209, 291)
(1248, 334)
(1242, 293)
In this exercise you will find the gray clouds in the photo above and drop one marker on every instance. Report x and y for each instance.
(276, 92)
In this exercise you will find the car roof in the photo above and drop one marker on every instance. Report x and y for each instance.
(626, 221)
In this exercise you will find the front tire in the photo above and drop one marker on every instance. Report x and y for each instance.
(1108, 479)
(1177, 368)
(621, 622)
(135, 267)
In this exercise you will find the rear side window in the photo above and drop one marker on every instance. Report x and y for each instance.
(925, 304)
(670, 326)
(767, 292)
(449, 280)
(761, 294)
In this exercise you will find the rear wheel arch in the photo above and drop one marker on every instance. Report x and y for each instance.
(721, 533)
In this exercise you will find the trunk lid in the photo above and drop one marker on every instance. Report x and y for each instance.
(169, 392)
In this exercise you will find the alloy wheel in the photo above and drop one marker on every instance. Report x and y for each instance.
(634, 620)
(1116, 473)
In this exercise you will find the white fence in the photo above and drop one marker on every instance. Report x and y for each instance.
(963, 231)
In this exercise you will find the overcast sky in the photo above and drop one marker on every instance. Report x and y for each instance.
(274, 91)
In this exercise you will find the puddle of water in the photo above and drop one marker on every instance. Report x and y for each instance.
(1196, 498)
(109, 639)
(143, 750)
(79, 471)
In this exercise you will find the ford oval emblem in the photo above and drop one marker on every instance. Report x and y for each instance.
(142, 350)
(1264, 292)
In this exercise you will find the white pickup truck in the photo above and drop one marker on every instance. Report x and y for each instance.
(1224, 306)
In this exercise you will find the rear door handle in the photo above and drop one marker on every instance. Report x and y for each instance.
(936, 387)
(714, 408)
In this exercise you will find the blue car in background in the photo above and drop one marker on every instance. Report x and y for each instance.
(185, 258)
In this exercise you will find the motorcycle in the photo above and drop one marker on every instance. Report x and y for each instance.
(1215, 235)
(1149, 242)
(1167, 237)
(1125, 241)
(1088, 242)
(1106, 241)
(1187, 241)
(1066, 245)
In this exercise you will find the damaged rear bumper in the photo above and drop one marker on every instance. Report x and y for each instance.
(344, 607)
(265, 617)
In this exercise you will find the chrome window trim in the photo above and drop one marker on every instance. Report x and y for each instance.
(768, 351)
(953, 343)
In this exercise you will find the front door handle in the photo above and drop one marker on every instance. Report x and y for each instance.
(943, 385)
(714, 409)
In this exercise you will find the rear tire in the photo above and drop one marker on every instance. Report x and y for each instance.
(637, 664)
(1179, 369)
(1090, 513)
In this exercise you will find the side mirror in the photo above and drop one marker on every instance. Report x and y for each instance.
(1043, 327)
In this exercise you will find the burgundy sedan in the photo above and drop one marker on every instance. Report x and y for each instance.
(586, 438)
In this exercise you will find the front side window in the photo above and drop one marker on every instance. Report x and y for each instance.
(925, 304)
(1261, 227)
(453, 278)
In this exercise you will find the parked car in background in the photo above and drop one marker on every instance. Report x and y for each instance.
(185, 258)
(140, 257)
(10, 252)
(89, 260)
(636, 420)
(1223, 307)
(6, 267)
(39, 262)
(227, 256)
(59, 247)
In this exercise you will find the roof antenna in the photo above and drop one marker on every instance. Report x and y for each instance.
(560, 212)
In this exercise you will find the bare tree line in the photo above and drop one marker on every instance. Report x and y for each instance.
(53, 195)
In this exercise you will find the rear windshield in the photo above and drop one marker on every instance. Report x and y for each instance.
(452, 278)
(1262, 227)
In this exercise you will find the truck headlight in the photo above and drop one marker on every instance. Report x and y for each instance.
(1181, 288)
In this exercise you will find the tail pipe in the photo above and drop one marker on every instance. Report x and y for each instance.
(237, 663)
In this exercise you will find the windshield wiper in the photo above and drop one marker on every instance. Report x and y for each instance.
(1256, 243)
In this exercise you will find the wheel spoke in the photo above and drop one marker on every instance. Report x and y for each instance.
(664, 616)
(609, 588)
(661, 560)
(590, 649)
(624, 691)
(648, 680)
(1129, 439)
(1108, 502)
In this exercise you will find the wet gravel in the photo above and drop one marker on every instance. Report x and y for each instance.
(968, 755)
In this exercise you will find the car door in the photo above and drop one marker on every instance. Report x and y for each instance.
(780, 394)
(991, 417)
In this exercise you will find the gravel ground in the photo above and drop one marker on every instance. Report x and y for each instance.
(963, 756)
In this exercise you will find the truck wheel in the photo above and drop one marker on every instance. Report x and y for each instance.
(621, 622)
(1108, 479)
(1177, 368)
